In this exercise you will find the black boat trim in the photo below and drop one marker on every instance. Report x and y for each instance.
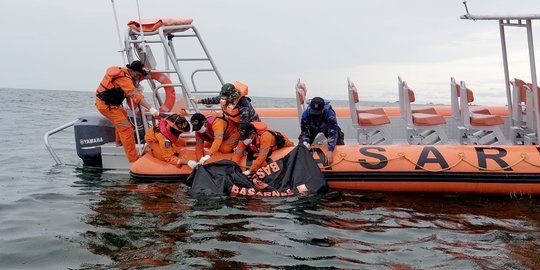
(511, 178)
(159, 177)
(493, 178)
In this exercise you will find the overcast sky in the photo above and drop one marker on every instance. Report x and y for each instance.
(269, 44)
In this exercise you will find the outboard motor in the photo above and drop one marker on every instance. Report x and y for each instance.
(92, 131)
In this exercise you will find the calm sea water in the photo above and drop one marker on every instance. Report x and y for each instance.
(66, 217)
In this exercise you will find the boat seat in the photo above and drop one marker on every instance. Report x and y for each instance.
(478, 119)
(456, 93)
(371, 119)
(301, 94)
(522, 129)
(424, 125)
(363, 109)
(426, 119)
(475, 128)
(424, 116)
(474, 108)
(369, 122)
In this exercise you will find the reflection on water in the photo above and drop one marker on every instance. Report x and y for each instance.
(159, 225)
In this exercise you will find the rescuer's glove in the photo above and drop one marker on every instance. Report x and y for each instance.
(154, 112)
(204, 159)
(192, 164)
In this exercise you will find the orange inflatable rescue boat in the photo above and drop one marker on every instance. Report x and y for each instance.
(460, 147)
(403, 168)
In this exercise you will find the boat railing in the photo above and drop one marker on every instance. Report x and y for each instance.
(52, 132)
(137, 42)
(138, 45)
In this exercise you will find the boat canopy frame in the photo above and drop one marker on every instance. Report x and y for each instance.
(135, 42)
(136, 46)
(516, 21)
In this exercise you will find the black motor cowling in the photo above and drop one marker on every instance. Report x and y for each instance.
(92, 131)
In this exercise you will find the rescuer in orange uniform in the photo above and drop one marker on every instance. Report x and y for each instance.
(257, 138)
(117, 84)
(234, 102)
(164, 140)
(220, 132)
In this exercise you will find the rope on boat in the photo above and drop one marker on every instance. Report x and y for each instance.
(498, 169)
(461, 159)
(343, 157)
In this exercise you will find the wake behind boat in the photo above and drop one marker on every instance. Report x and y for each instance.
(456, 148)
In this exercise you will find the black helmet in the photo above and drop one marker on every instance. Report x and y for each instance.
(227, 90)
(175, 123)
(197, 120)
(316, 106)
(245, 130)
(137, 66)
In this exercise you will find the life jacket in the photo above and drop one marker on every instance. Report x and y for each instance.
(166, 132)
(319, 123)
(231, 111)
(261, 128)
(208, 135)
(106, 91)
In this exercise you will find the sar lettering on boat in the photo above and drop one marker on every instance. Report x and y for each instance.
(492, 153)
(369, 151)
(424, 158)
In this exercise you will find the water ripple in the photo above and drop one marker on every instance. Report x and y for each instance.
(337, 230)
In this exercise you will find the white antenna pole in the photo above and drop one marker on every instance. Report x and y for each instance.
(141, 28)
(118, 33)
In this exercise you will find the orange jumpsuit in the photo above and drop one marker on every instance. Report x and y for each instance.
(218, 144)
(264, 143)
(162, 149)
(116, 114)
